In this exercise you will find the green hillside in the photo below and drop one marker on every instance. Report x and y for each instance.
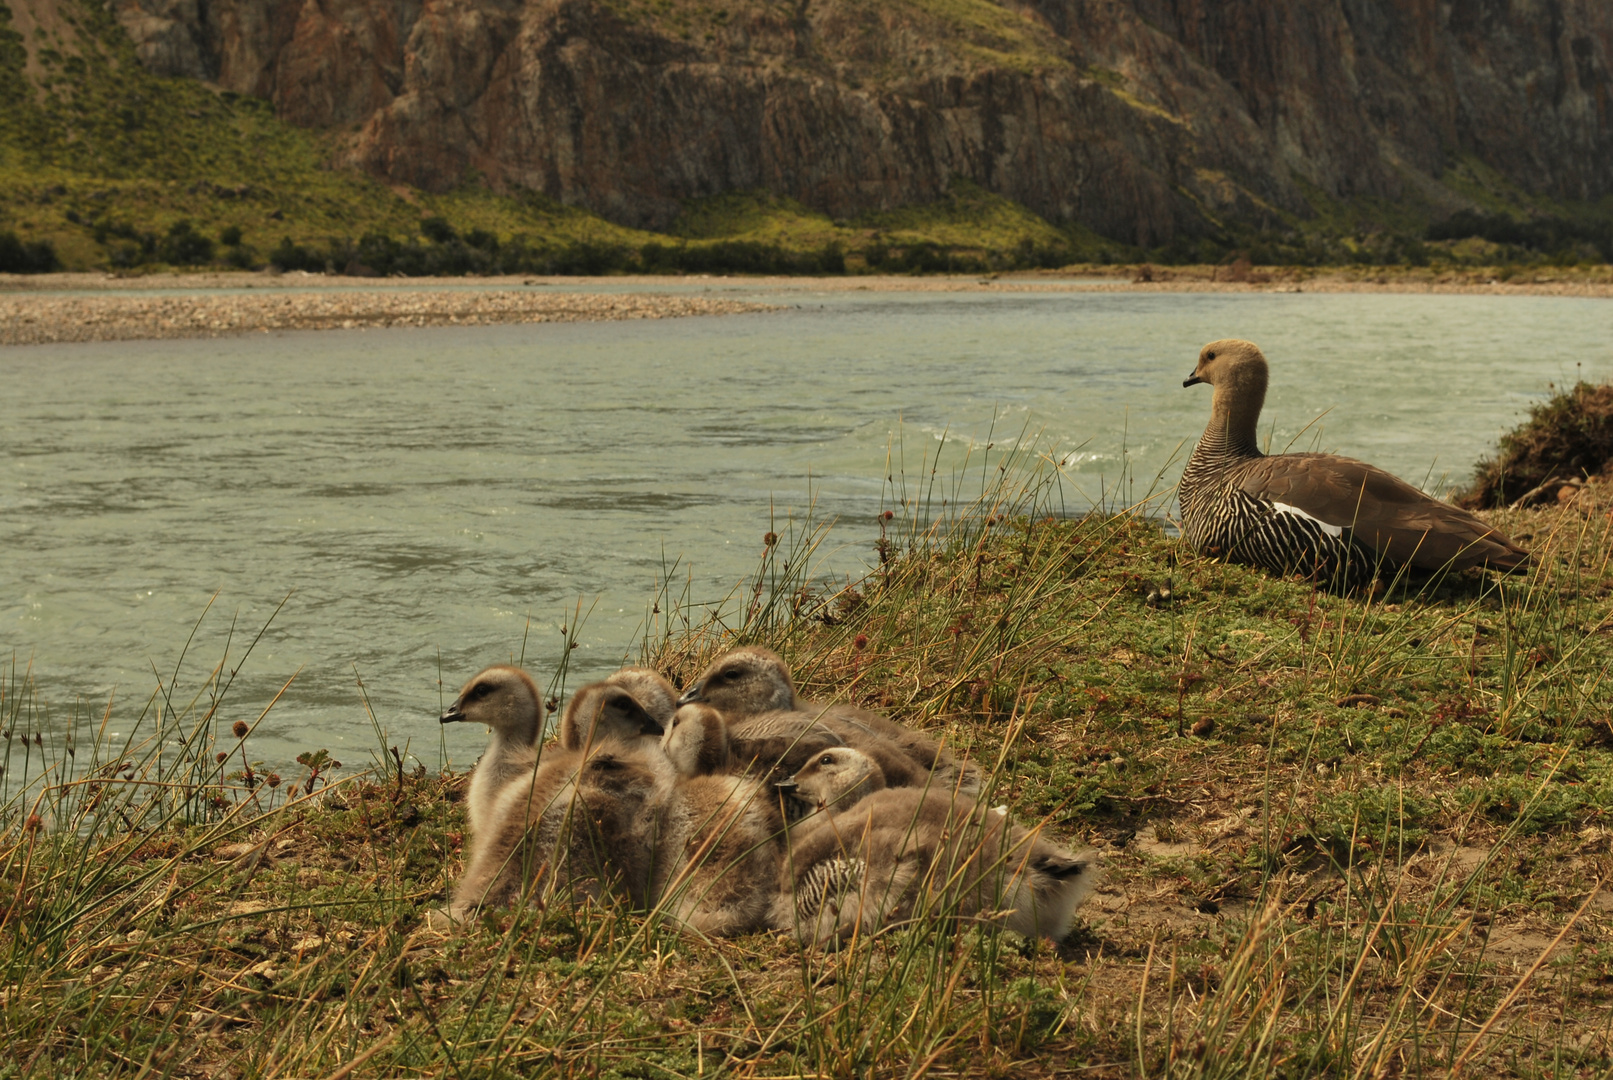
(104, 165)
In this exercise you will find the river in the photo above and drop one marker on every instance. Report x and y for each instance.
(435, 500)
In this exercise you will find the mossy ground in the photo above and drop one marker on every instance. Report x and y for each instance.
(1340, 838)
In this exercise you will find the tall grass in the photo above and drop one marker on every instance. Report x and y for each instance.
(1377, 856)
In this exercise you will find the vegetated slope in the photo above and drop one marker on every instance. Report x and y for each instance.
(104, 163)
(816, 137)
(1150, 122)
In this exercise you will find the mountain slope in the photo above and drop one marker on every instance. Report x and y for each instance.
(1139, 119)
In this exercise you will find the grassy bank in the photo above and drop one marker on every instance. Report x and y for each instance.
(1340, 840)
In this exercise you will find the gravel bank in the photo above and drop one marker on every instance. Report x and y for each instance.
(111, 309)
(1596, 281)
(33, 320)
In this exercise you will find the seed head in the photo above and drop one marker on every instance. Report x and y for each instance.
(33, 824)
(273, 779)
(220, 756)
(770, 539)
(240, 729)
(887, 515)
(861, 643)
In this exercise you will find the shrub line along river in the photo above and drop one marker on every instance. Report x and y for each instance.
(421, 492)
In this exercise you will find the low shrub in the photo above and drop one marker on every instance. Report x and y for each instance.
(19, 256)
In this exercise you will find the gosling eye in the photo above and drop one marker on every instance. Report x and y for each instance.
(477, 692)
(826, 760)
(1209, 356)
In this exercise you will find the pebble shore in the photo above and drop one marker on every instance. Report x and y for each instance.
(34, 320)
(111, 308)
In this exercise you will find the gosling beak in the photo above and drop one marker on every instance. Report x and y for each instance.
(691, 695)
(1192, 380)
(785, 786)
(649, 726)
(453, 714)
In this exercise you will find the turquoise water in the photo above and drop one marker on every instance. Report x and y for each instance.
(421, 493)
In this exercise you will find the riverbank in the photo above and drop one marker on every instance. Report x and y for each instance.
(1338, 838)
(1143, 277)
(35, 320)
(109, 308)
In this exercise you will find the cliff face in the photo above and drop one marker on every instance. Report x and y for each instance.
(1140, 119)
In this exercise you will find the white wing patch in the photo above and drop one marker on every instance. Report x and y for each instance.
(1331, 530)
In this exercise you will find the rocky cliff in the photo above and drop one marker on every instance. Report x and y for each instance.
(1141, 119)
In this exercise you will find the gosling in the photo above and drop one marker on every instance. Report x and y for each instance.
(588, 823)
(753, 686)
(723, 841)
(604, 711)
(650, 689)
(906, 854)
(836, 779)
(700, 742)
(507, 701)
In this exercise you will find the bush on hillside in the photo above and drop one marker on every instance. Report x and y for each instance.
(1569, 436)
(184, 246)
(19, 256)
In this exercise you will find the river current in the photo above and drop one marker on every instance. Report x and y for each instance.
(435, 500)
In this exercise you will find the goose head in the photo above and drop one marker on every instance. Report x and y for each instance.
(838, 776)
(696, 740)
(1232, 366)
(745, 682)
(505, 699)
(601, 711)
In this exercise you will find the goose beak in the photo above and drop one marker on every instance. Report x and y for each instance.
(453, 714)
(1192, 380)
(785, 786)
(691, 695)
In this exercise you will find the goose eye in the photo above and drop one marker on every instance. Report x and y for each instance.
(826, 760)
(1209, 356)
(480, 690)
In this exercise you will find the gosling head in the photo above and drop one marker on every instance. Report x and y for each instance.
(601, 711)
(745, 682)
(650, 688)
(837, 777)
(1231, 365)
(696, 740)
(505, 699)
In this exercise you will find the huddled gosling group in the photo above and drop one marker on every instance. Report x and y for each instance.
(738, 806)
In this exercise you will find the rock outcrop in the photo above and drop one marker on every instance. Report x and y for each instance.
(1141, 119)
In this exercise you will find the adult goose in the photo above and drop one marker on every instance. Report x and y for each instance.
(1338, 521)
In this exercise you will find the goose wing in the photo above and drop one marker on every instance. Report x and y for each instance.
(1381, 510)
